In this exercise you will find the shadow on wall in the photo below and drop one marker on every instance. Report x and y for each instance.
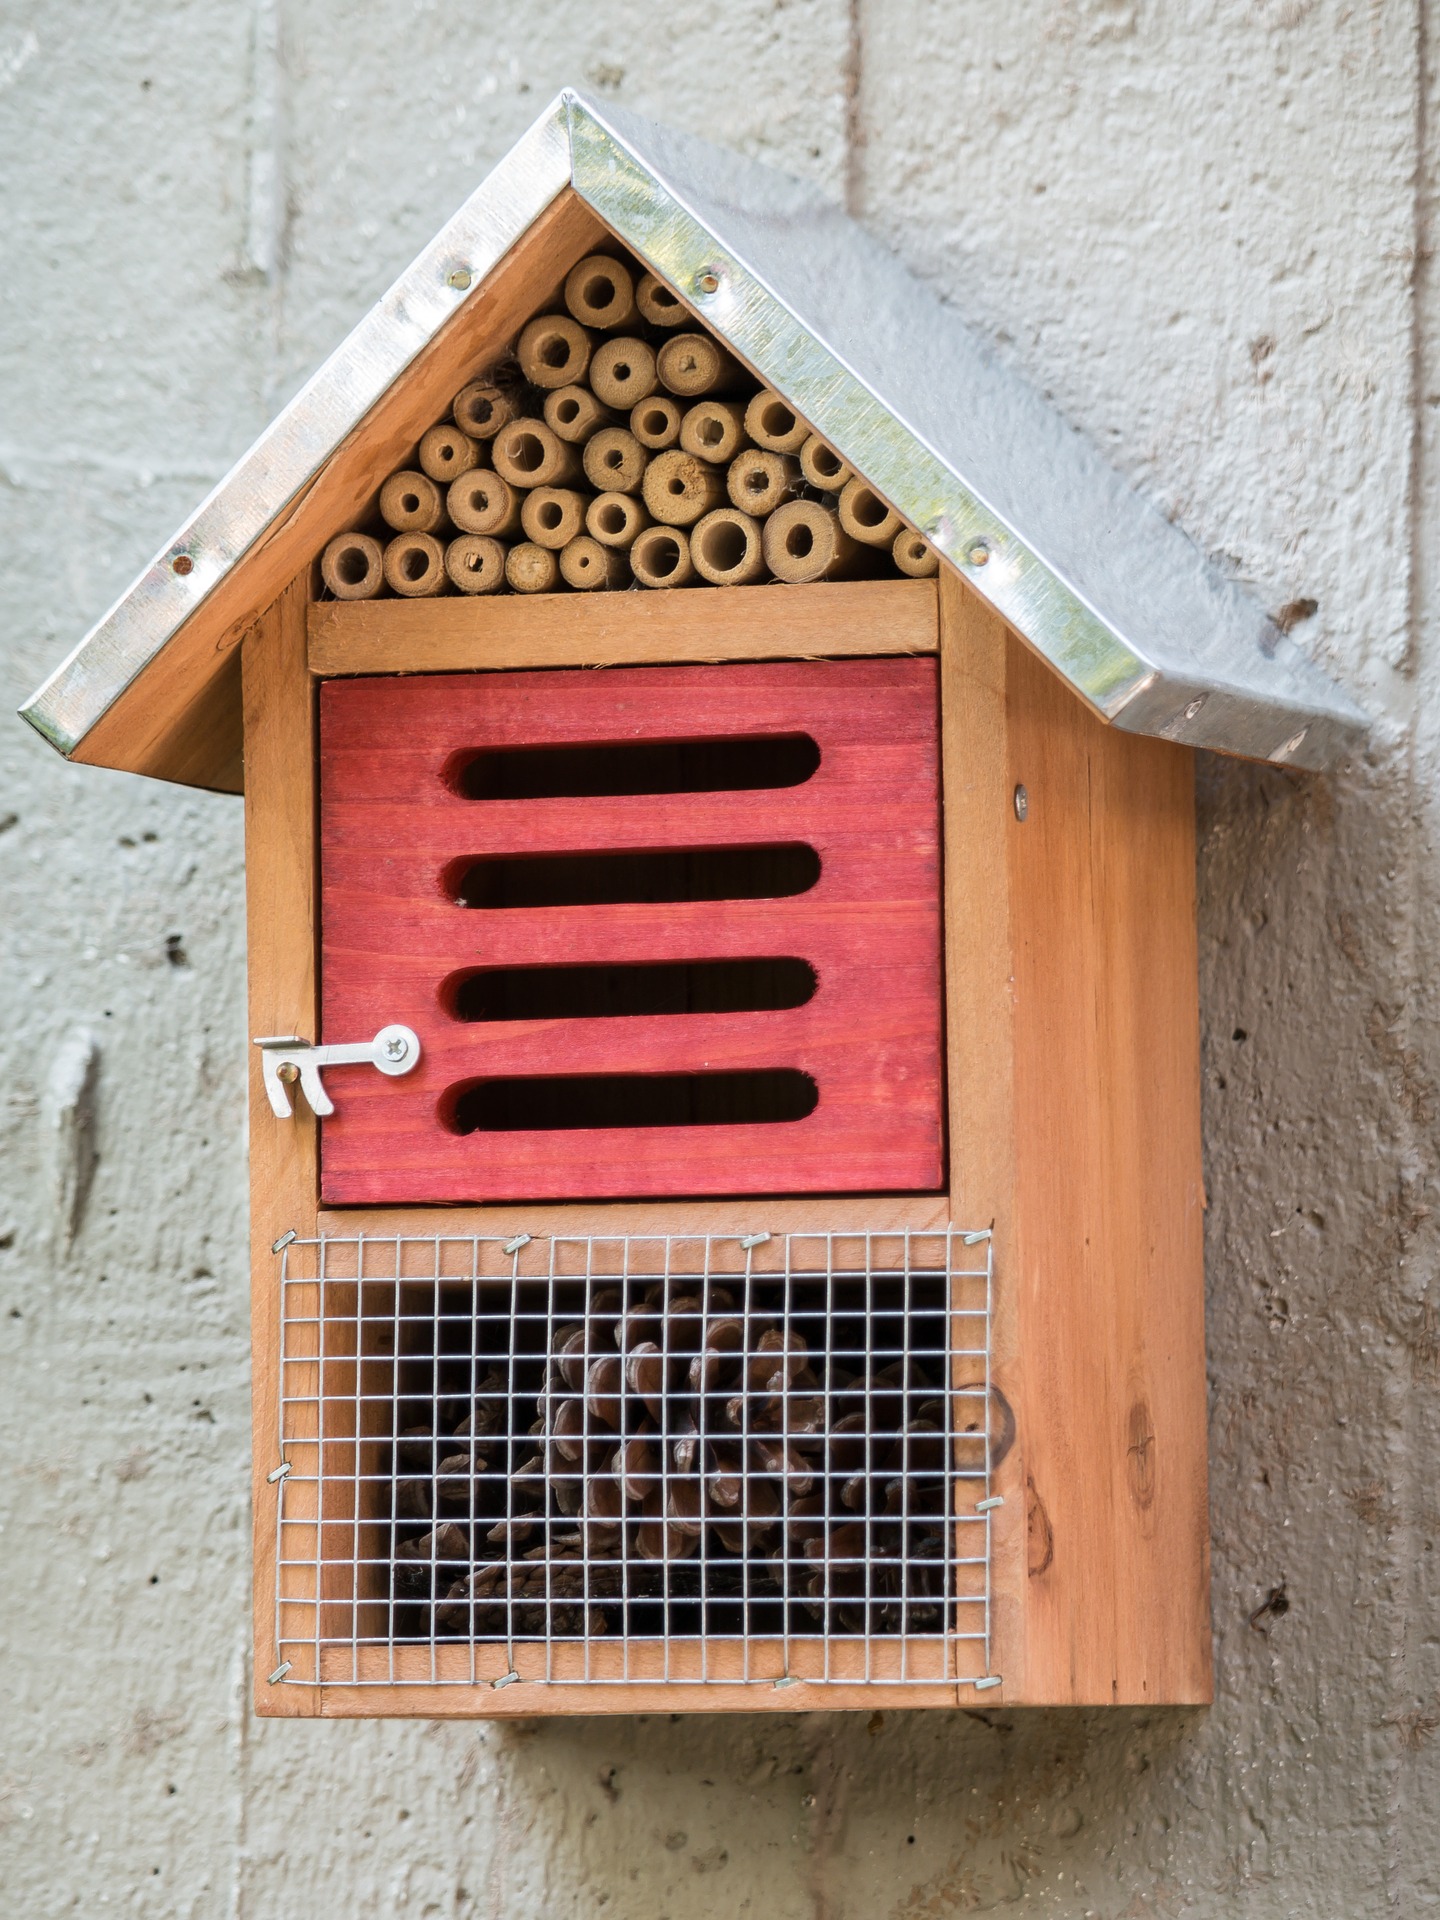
(831, 1816)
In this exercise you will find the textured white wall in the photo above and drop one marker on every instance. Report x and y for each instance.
(1204, 227)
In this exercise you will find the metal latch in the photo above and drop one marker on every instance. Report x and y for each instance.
(288, 1058)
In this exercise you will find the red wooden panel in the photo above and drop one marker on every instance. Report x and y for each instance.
(393, 829)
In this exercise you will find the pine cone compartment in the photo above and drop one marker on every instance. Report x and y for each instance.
(684, 1449)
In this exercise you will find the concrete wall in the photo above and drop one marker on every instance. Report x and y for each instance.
(1205, 227)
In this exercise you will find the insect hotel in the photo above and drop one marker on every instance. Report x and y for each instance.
(724, 1123)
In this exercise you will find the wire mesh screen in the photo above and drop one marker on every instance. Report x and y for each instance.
(654, 1458)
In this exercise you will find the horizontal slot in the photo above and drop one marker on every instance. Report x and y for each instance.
(652, 876)
(636, 767)
(620, 991)
(564, 1103)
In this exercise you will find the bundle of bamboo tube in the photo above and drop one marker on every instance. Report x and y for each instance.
(619, 445)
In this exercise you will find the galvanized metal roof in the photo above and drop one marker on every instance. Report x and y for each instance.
(1119, 601)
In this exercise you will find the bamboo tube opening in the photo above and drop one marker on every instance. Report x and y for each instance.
(600, 293)
(657, 303)
(822, 466)
(759, 481)
(692, 363)
(614, 519)
(726, 548)
(678, 488)
(481, 409)
(660, 557)
(554, 351)
(713, 430)
(614, 461)
(531, 569)
(353, 566)
(774, 424)
(446, 453)
(553, 516)
(865, 516)
(805, 541)
(411, 503)
(574, 413)
(655, 423)
(415, 565)
(475, 563)
(914, 555)
(481, 502)
(587, 565)
(623, 373)
(528, 454)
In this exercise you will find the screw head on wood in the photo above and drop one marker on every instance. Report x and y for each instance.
(1022, 803)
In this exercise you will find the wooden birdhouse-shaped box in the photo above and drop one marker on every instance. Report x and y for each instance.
(717, 758)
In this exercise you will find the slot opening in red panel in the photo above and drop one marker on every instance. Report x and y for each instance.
(658, 875)
(567, 1103)
(628, 990)
(734, 764)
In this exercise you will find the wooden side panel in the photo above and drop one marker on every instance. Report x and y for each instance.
(1106, 1263)
(459, 634)
(151, 727)
(280, 921)
(979, 1046)
(396, 942)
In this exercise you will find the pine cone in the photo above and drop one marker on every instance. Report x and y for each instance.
(656, 1432)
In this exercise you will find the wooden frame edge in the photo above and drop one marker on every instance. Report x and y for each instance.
(456, 634)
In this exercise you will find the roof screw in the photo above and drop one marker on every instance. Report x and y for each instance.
(460, 279)
(1293, 744)
(707, 281)
(1022, 803)
(182, 564)
(978, 553)
(1194, 707)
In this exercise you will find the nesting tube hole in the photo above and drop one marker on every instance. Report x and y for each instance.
(724, 545)
(777, 420)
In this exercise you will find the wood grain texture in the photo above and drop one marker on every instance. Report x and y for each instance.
(280, 930)
(392, 828)
(455, 635)
(1074, 1113)
(880, 1213)
(1105, 1261)
(173, 722)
